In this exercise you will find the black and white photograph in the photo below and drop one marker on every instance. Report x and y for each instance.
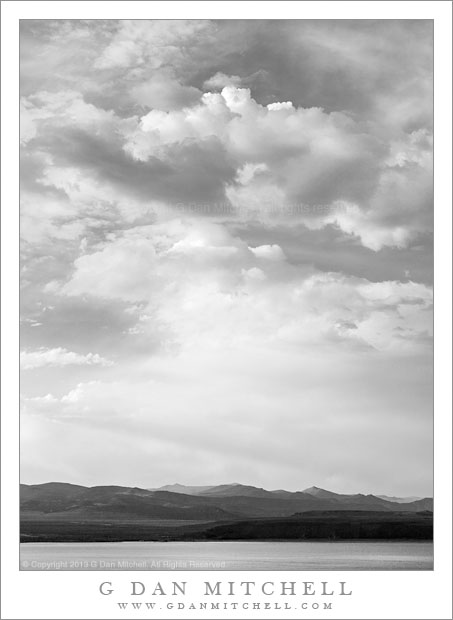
(226, 295)
(226, 383)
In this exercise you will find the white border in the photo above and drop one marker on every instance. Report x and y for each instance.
(376, 594)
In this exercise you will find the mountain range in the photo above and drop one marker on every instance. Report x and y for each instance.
(59, 512)
(195, 503)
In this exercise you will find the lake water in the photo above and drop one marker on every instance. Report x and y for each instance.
(228, 555)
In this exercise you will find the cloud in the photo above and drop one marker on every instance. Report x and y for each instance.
(307, 159)
(30, 360)
(220, 80)
(205, 287)
(227, 149)
(60, 109)
(221, 401)
(152, 41)
(377, 69)
(163, 92)
(90, 158)
(270, 252)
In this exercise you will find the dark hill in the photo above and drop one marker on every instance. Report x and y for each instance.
(318, 525)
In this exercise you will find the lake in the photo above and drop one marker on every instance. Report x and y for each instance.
(228, 555)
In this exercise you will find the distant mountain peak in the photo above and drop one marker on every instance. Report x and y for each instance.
(182, 488)
(400, 500)
(320, 493)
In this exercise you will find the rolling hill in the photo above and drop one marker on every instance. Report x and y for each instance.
(202, 503)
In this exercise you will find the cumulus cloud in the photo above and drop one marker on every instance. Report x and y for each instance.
(253, 132)
(59, 356)
(310, 159)
(204, 286)
(256, 158)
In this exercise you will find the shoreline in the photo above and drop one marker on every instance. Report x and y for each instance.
(264, 540)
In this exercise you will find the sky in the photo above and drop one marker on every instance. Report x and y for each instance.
(226, 253)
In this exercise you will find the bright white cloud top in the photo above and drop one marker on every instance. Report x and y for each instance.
(248, 237)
